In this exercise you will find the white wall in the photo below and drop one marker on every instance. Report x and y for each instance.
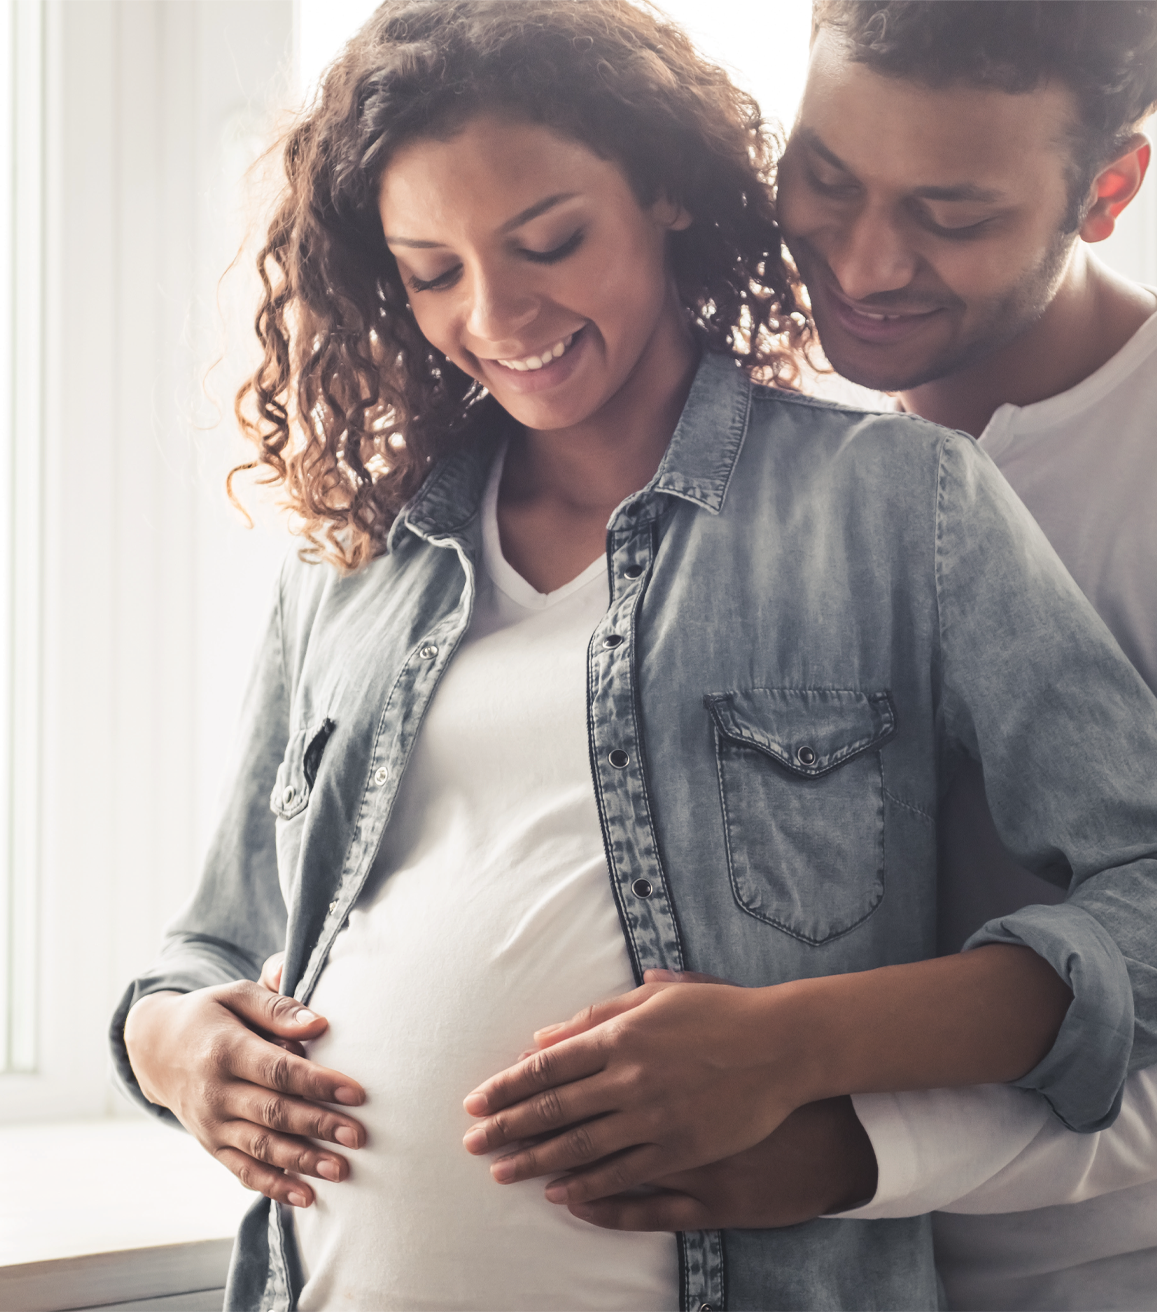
(153, 590)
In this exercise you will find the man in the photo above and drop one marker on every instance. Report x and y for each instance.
(951, 166)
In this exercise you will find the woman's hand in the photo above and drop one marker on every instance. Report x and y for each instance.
(227, 1062)
(666, 1078)
(819, 1160)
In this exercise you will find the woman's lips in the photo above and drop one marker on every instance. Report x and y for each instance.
(878, 325)
(551, 374)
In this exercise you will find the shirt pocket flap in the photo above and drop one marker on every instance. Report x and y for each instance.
(290, 790)
(810, 731)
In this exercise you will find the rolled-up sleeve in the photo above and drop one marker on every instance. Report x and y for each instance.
(1033, 686)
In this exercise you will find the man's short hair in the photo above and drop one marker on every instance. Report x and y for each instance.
(1105, 51)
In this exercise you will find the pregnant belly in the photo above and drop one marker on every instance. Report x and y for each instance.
(427, 992)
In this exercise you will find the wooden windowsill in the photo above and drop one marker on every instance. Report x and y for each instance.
(105, 1213)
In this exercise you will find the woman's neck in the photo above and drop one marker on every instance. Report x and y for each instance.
(559, 487)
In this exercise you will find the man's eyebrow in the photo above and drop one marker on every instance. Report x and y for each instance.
(524, 216)
(961, 191)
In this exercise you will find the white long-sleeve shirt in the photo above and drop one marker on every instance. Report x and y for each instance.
(1030, 1214)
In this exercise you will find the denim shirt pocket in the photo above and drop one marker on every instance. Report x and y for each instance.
(801, 787)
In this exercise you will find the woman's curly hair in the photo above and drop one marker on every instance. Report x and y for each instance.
(351, 405)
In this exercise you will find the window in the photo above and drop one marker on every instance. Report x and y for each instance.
(21, 448)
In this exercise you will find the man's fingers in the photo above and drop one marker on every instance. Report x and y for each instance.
(589, 1017)
(542, 1070)
(612, 1176)
(578, 1146)
(271, 972)
(264, 1179)
(661, 1211)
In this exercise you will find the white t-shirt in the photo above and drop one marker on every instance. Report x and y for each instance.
(488, 914)
(1032, 1215)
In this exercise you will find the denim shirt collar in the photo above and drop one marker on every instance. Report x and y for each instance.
(697, 465)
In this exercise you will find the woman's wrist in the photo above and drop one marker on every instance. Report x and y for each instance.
(140, 1030)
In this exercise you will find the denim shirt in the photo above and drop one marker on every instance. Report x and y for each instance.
(816, 614)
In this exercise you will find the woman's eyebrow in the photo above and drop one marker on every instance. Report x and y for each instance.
(524, 216)
(533, 211)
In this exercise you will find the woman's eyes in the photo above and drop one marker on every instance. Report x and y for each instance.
(443, 280)
(572, 243)
(451, 275)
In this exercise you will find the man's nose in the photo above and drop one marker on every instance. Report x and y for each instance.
(871, 256)
(499, 309)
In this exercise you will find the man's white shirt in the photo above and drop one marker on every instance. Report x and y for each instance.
(1030, 1214)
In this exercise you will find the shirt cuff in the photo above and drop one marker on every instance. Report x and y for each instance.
(933, 1146)
(1083, 1074)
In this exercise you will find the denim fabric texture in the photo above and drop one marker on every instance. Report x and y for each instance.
(824, 611)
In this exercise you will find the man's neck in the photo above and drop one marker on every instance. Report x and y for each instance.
(1093, 314)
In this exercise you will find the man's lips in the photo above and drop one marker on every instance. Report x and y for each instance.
(872, 323)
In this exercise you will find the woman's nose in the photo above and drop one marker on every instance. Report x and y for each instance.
(500, 307)
(871, 256)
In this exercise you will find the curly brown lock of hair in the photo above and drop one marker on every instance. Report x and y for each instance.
(351, 405)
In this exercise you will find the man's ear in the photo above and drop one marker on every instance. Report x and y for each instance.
(671, 215)
(1114, 187)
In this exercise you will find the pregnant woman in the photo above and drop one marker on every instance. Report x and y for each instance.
(610, 653)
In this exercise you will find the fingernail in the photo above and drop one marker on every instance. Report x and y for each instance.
(582, 1210)
(346, 1096)
(660, 973)
(503, 1169)
(475, 1140)
(475, 1104)
(303, 1017)
(329, 1168)
(298, 1200)
(347, 1137)
(550, 1029)
(556, 1193)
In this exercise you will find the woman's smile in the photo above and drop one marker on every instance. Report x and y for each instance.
(531, 264)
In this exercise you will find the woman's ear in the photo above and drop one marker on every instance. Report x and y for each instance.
(1114, 187)
(671, 215)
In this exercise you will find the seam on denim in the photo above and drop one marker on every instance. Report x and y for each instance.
(908, 806)
(301, 993)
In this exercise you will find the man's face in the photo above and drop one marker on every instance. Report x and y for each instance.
(926, 223)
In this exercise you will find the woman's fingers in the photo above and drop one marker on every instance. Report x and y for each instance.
(261, 1107)
(589, 1017)
(271, 972)
(660, 1211)
(264, 1179)
(541, 1071)
(285, 1152)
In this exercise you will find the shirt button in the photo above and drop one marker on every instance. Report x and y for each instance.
(381, 774)
(287, 796)
(704, 1307)
(428, 650)
(641, 888)
(333, 906)
(618, 758)
(612, 640)
(805, 755)
(632, 571)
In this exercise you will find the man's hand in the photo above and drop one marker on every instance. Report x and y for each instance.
(819, 1160)
(664, 1079)
(227, 1062)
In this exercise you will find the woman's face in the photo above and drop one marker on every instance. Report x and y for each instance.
(529, 262)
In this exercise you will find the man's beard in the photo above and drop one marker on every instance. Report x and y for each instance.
(1005, 317)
